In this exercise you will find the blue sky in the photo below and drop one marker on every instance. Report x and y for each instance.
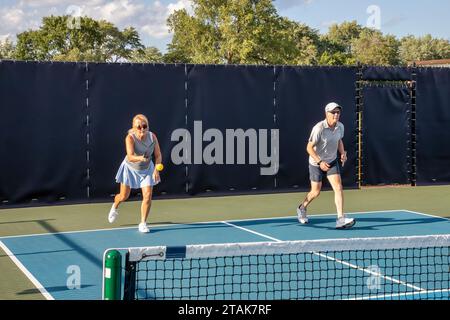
(396, 17)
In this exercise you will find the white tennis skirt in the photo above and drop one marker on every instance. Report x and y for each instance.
(135, 179)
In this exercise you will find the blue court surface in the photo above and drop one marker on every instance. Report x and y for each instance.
(49, 260)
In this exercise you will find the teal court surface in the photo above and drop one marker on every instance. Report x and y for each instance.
(51, 260)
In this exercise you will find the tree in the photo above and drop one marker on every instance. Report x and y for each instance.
(423, 48)
(149, 54)
(336, 59)
(298, 43)
(340, 36)
(176, 55)
(92, 40)
(336, 45)
(373, 48)
(7, 49)
(189, 42)
(238, 32)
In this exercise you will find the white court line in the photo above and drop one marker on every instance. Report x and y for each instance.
(428, 215)
(390, 295)
(251, 231)
(193, 223)
(49, 296)
(27, 273)
(337, 260)
(369, 271)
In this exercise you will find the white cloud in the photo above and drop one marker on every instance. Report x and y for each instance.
(117, 12)
(48, 3)
(147, 16)
(154, 22)
(181, 4)
(14, 16)
(4, 37)
(16, 19)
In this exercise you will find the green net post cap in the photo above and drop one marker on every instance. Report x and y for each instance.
(112, 275)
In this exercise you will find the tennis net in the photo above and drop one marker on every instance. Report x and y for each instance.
(394, 268)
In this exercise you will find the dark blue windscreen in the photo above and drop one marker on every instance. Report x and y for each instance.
(433, 120)
(223, 101)
(117, 92)
(42, 132)
(386, 73)
(301, 96)
(385, 136)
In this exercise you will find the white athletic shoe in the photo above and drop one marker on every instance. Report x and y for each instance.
(301, 215)
(143, 228)
(345, 223)
(113, 213)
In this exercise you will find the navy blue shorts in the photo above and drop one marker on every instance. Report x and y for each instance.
(316, 174)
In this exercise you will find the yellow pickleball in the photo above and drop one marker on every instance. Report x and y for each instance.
(159, 167)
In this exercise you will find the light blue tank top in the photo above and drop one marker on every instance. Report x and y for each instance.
(145, 147)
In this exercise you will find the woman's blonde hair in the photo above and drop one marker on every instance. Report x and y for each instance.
(137, 117)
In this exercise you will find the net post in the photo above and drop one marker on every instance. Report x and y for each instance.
(112, 276)
(130, 279)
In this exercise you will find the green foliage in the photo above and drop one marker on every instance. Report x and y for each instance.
(239, 32)
(373, 48)
(300, 44)
(60, 39)
(7, 49)
(340, 36)
(329, 58)
(223, 32)
(423, 48)
(147, 55)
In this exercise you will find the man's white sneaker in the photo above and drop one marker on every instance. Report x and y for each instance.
(301, 215)
(113, 213)
(345, 223)
(143, 228)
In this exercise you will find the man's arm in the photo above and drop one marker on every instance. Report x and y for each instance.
(342, 152)
(312, 152)
(322, 164)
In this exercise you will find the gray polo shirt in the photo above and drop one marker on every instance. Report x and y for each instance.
(325, 140)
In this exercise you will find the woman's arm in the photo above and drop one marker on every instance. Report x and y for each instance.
(158, 155)
(129, 144)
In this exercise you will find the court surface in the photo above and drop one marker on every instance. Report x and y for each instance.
(51, 260)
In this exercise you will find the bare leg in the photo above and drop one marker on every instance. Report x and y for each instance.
(336, 184)
(146, 203)
(314, 193)
(122, 195)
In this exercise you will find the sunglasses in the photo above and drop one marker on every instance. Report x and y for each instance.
(335, 112)
(144, 126)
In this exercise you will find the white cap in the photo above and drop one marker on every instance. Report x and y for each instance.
(331, 106)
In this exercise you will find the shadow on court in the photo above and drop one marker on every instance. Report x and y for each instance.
(36, 252)
(51, 289)
(26, 221)
(376, 223)
(65, 239)
(148, 223)
(155, 227)
(362, 223)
